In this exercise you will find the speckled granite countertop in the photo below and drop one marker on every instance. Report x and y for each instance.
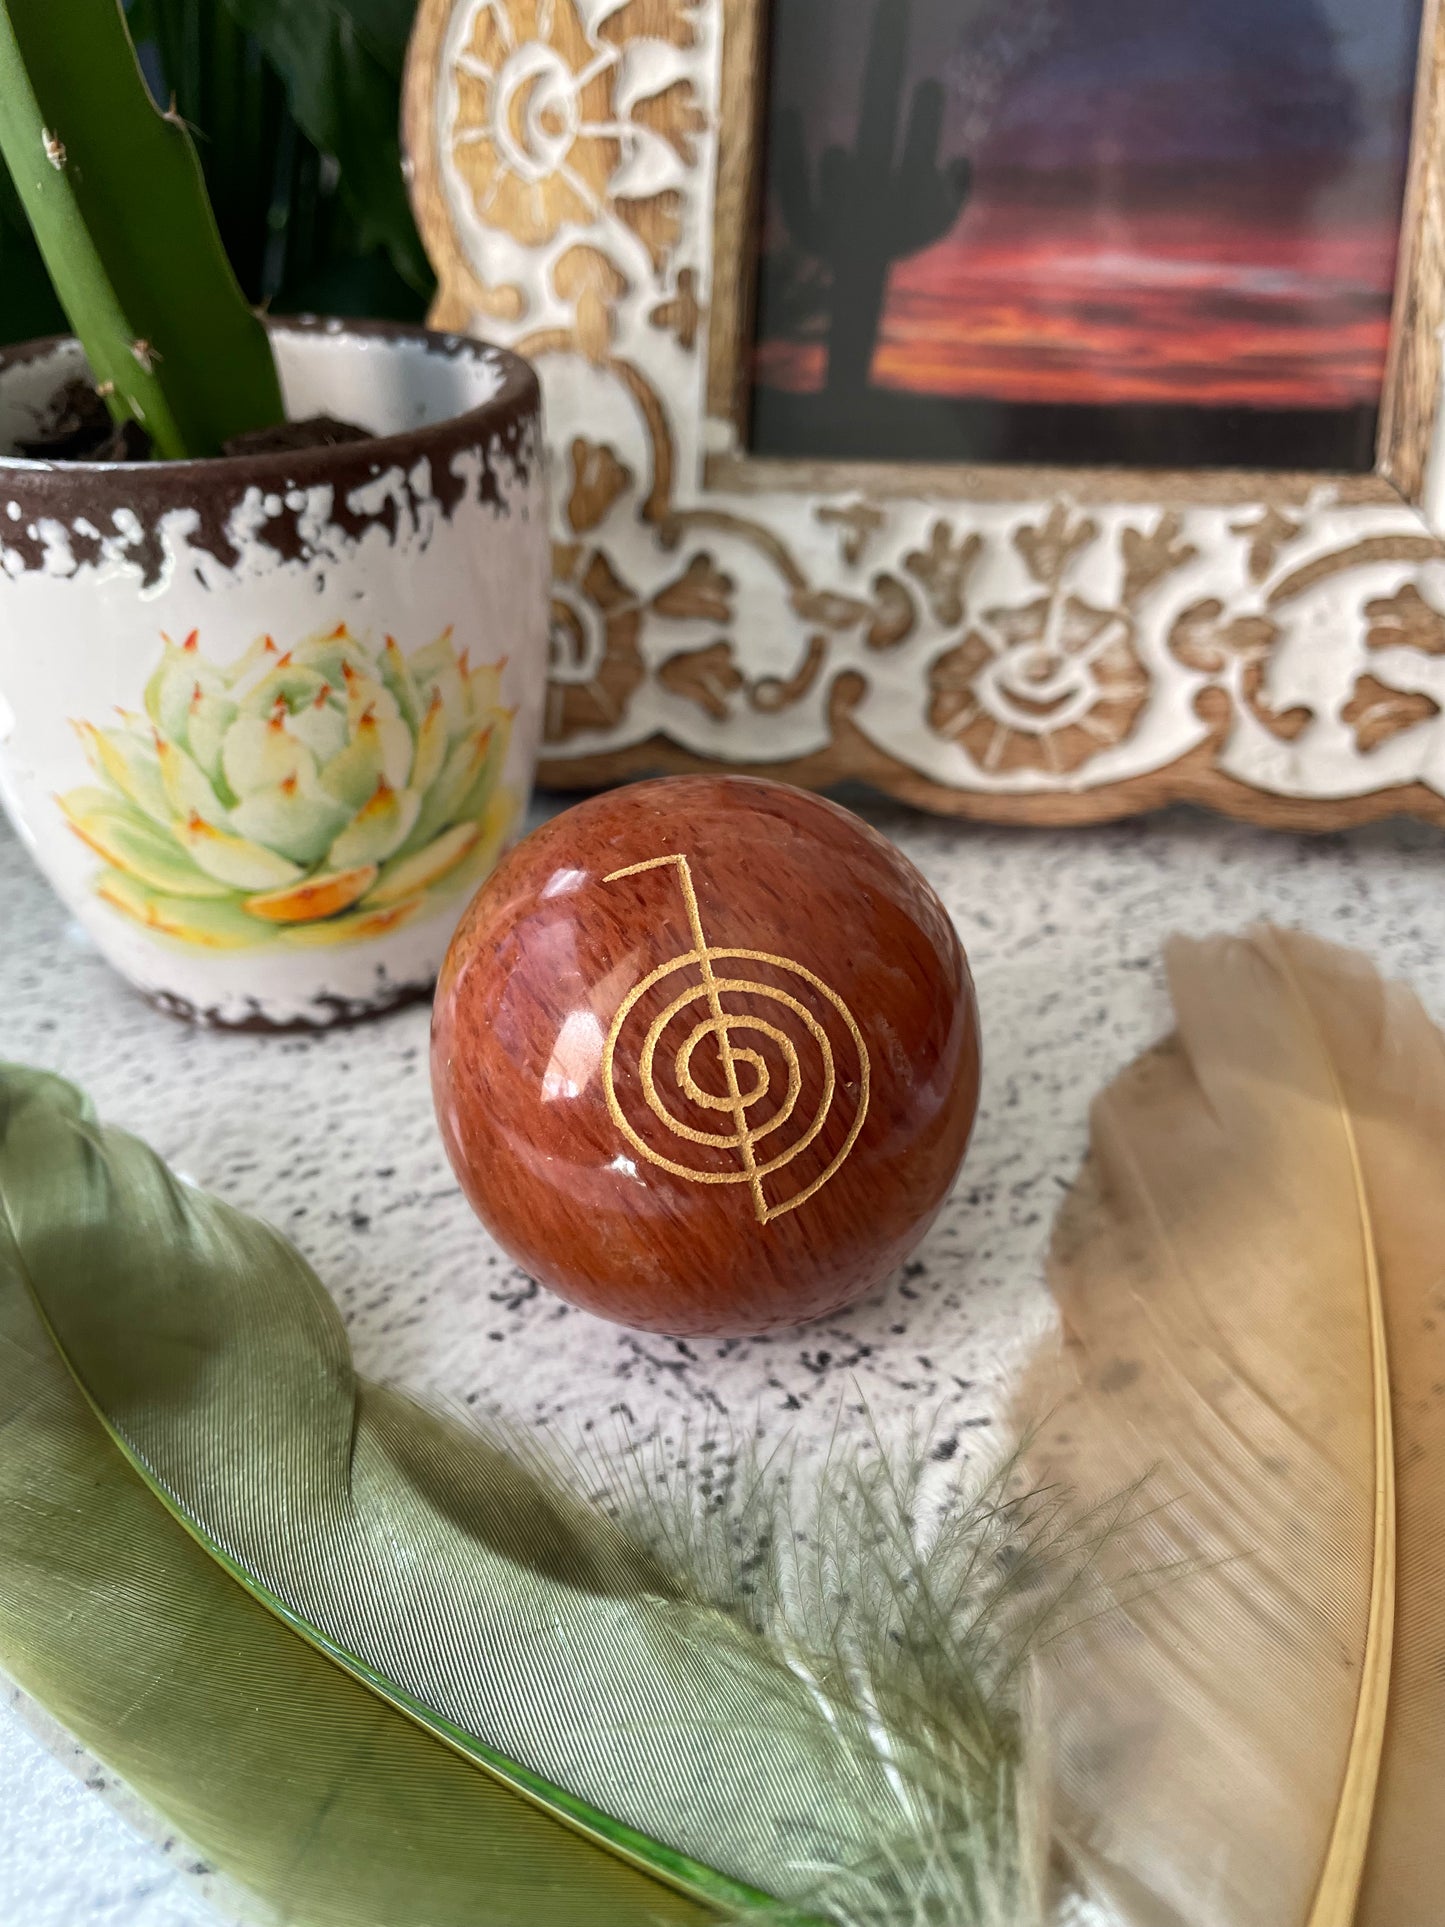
(331, 1138)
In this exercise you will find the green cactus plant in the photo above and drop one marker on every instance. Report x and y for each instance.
(114, 193)
(318, 796)
(870, 207)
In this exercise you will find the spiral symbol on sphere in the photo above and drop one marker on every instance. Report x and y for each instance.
(762, 1141)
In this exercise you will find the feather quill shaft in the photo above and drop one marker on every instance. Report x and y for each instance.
(1339, 1889)
(1391, 1064)
(1245, 1271)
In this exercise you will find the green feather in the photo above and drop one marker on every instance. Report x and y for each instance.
(289, 1776)
(770, 1719)
(423, 1561)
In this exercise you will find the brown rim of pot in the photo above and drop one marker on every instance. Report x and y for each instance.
(111, 511)
(515, 401)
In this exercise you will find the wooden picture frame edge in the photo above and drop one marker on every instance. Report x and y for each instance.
(1270, 646)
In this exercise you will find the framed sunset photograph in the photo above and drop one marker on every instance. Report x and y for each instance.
(1029, 408)
(1080, 231)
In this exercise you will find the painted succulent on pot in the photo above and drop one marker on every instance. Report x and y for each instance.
(318, 796)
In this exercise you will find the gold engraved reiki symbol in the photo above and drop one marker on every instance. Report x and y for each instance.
(745, 1072)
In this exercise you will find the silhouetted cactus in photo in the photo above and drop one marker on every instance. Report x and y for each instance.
(871, 208)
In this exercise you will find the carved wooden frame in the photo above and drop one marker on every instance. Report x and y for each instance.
(1270, 645)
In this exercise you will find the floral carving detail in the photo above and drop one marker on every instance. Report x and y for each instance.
(681, 315)
(944, 568)
(1206, 638)
(593, 284)
(711, 678)
(772, 693)
(1048, 550)
(702, 593)
(1048, 684)
(598, 480)
(894, 618)
(1043, 687)
(597, 665)
(1269, 532)
(674, 116)
(1377, 713)
(1149, 558)
(829, 607)
(1283, 724)
(1405, 621)
(669, 20)
(596, 655)
(859, 522)
(540, 139)
(708, 677)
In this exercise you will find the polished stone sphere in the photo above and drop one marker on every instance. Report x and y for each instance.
(705, 1055)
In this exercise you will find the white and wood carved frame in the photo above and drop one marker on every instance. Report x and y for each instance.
(1028, 645)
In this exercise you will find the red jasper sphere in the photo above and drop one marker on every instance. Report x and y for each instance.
(705, 1055)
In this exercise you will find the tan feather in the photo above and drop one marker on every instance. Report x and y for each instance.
(1247, 1272)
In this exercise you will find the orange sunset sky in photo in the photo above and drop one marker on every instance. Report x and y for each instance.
(1180, 202)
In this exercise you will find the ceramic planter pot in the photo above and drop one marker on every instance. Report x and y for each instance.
(265, 722)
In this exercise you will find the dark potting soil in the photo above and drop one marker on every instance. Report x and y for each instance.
(317, 431)
(80, 429)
